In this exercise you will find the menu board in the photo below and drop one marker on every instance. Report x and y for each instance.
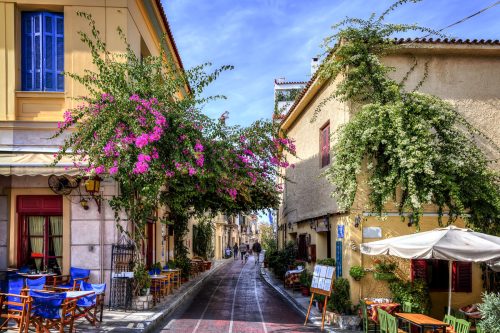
(322, 279)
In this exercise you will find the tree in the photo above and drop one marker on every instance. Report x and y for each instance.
(162, 150)
(410, 141)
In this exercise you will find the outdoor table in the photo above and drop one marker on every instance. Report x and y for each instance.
(387, 307)
(422, 321)
(36, 275)
(176, 272)
(292, 278)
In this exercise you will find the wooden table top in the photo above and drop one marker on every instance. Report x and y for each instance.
(420, 319)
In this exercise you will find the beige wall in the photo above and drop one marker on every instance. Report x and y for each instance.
(466, 76)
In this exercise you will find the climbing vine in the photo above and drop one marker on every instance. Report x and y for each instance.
(404, 140)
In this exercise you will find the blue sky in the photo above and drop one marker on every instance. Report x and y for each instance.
(268, 39)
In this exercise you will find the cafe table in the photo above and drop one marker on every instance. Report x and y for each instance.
(387, 307)
(176, 273)
(421, 321)
(36, 275)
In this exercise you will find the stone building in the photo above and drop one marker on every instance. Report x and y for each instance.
(465, 73)
(38, 227)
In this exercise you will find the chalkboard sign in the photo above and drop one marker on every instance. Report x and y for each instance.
(322, 280)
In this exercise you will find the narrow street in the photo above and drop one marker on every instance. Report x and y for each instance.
(235, 300)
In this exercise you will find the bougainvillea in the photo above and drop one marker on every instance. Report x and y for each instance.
(141, 124)
(403, 140)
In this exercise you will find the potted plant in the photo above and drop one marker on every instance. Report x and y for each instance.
(305, 282)
(142, 280)
(184, 264)
(340, 302)
(320, 301)
(326, 262)
(490, 312)
(357, 272)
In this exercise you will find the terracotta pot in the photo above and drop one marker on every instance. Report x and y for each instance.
(305, 291)
(184, 279)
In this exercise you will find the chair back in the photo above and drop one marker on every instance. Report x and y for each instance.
(450, 320)
(155, 271)
(382, 319)
(36, 284)
(47, 305)
(78, 273)
(408, 307)
(462, 326)
(90, 300)
(392, 324)
(459, 314)
(479, 329)
(14, 287)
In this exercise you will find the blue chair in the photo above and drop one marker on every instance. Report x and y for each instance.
(36, 284)
(52, 311)
(91, 306)
(15, 306)
(73, 280)
(155, 271)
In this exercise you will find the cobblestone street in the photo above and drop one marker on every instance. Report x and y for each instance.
(236, 299)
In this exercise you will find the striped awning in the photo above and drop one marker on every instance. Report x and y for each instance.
(34, 164)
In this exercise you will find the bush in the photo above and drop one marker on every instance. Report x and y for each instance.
(490, 311)
(306, 278)
(415, 292)
(326, 262)
(279, 260)
(340, 300)
(357, 272)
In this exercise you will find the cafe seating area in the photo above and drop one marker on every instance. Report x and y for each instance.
(385, 316)
(45, 301)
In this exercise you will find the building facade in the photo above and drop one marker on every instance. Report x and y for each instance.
(43, 222)
(464, 74)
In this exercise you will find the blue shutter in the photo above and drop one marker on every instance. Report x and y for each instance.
(338, 258)
(59, 47)
(31, 69)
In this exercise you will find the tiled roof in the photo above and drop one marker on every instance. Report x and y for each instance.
(399, 41)
(289, 82)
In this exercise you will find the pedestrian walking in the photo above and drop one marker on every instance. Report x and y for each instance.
(228, 252)
(243, 250)
(257, 248)
(235, 251)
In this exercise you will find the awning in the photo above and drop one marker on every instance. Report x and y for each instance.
(34, 164)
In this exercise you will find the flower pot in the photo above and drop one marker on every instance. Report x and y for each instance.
(349, 322)
(320, 306)
(144, 292)
(208, 265)
(305, 291)
(184, 279)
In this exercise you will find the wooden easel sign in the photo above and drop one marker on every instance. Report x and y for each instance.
(322, 284)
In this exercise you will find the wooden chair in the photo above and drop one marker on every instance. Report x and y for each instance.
(368, 324)
(479, 329)
(382, 320)
(71, 281)
(407, 307)
(462, 326)
(15, 308)
(52, 311)
(392, 325)
(91, 307)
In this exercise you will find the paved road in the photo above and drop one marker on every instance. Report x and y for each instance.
(235, 299)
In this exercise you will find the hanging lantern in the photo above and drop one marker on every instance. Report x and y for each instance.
(92, 185)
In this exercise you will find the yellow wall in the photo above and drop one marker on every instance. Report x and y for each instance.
(130, 15)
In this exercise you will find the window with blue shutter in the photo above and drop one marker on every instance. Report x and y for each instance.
(42, 51)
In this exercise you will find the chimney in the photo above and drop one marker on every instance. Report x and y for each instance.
(314, 65)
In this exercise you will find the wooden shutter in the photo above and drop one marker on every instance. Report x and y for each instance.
(418, 269)
(59, 40)
(325, 145)
(462, 277)
(31, 51)
(53, 51)
(39, 204)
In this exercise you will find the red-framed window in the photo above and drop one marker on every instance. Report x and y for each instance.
(436, 274)
(325, 144)
(40, 232)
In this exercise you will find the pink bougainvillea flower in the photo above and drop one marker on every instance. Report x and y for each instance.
(169, 173)
(100, 169)
(143, 158)
(198, 146)
(191, 171)
(140, 167)
(141, 141)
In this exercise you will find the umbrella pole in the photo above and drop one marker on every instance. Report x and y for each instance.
(450, 268)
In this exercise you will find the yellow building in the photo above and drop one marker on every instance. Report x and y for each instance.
(465, 74)
(38, 40)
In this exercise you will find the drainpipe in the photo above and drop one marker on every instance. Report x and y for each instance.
(101, 242)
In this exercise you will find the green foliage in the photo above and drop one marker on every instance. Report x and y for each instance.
(415, 292)
(340, 301)
(268, 238)
(142, 279)
(287, 95)
(326, 262)
(490, 313)
(403, 140)
(306, 278)
(203, 235)
(279, 260)
(357, 272)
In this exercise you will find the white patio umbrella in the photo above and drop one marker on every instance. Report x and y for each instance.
(450, 243)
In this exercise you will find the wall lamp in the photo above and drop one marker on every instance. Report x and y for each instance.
(92, 186)
(410, 220)
(357, 221)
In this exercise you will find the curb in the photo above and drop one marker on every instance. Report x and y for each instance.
(294, 303)
(152, 323)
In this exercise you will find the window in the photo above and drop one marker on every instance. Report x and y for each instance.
(42, 50)
(436, 274)
(302, 247)
(325, 145)
(40, 232)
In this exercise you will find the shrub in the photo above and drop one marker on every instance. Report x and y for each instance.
(306, 278)
(415, 292)
(340, 301)
(279, 260)
(357, 272)
(326, 262)
(490, 311)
